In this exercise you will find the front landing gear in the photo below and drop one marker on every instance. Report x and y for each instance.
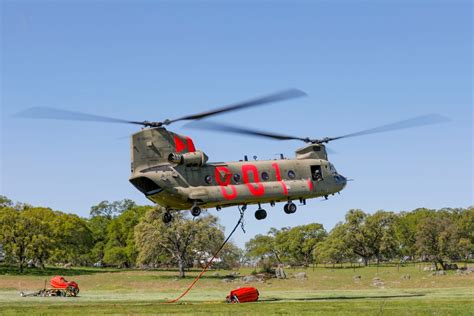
(289, 208)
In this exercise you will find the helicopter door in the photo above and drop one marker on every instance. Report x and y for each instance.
(316, 174)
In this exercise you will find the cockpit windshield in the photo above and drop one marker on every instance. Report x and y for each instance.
(332, 169)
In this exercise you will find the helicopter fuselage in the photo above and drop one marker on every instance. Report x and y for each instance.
(182, 178)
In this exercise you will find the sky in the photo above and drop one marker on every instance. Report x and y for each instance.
(362, 64)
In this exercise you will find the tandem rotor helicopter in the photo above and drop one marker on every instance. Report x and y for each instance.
(168, 169)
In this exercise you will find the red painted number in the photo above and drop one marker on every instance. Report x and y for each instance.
(259, 190)
(278, 177)
(224, 183)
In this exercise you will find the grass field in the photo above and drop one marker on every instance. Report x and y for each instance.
(325, 291)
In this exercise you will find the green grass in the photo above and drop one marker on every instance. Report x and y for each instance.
(326, 291)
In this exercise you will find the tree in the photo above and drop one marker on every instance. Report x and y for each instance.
(180, 242)
(42, 242)
(297, 244)
(334, 249)
(109, 210)
(101, 215)
(406, 228)
(231, 256)
(25, 234)
(357, 238)
(73, 239)
(120, 248)
(370, 235)
(463, 219)
(437, 239)
(5, 202)
(262, 246)
(42, 235)
(381, 228)
(15, 235)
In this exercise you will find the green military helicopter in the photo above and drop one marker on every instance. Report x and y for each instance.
(168, 169)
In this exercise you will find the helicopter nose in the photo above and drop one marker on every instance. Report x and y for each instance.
(341, 181)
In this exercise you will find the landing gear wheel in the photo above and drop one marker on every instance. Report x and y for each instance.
(167, 217)
(196, 211)
(260, 214)
(290, 208)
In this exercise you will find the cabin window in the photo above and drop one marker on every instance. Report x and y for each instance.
(316, 148)
(236, 177)
(265, 176)
(208, 179)
(316, 174)
(291, 174)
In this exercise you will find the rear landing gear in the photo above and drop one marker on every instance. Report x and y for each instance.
(290, 208)
(167, 217)
(260, 214)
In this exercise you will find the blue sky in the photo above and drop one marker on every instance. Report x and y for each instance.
(362, 64)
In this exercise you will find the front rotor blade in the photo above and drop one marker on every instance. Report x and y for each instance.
(274, 97)
(57, 114)
(240, 130)
(409, 123)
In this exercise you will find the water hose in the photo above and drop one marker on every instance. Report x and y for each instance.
(209, 263)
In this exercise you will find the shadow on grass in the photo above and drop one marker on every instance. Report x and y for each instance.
(49, 271)
(362, 297)
(192, 276)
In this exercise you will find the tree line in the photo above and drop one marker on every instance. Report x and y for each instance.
(123, 234)
(120, 234)
(437, 236)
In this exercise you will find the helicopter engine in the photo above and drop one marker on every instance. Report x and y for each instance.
(191, 159)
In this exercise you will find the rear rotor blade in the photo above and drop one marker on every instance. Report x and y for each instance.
(274, 97)
(57, 114)
(409, 123)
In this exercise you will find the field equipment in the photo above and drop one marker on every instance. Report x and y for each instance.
(168, 169)
(243, 295)
(59, 287)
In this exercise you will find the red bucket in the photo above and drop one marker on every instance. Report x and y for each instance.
(243, 295)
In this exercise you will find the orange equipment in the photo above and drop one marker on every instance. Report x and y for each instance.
(71, 288)
(243, 295)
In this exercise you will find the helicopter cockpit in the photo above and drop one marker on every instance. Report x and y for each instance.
(338, 178)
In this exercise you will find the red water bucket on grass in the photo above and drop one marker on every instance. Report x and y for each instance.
(243, 295)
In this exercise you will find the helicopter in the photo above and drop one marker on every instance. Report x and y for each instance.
(170, 171)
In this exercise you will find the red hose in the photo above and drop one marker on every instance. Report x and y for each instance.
(209, 263)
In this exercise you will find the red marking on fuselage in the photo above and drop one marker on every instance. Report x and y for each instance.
(229, 196)
(310, 184)
(227, 175)
(224, 183)
(190, 143)
(178, 143)
(278, 177)
(256, 191)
